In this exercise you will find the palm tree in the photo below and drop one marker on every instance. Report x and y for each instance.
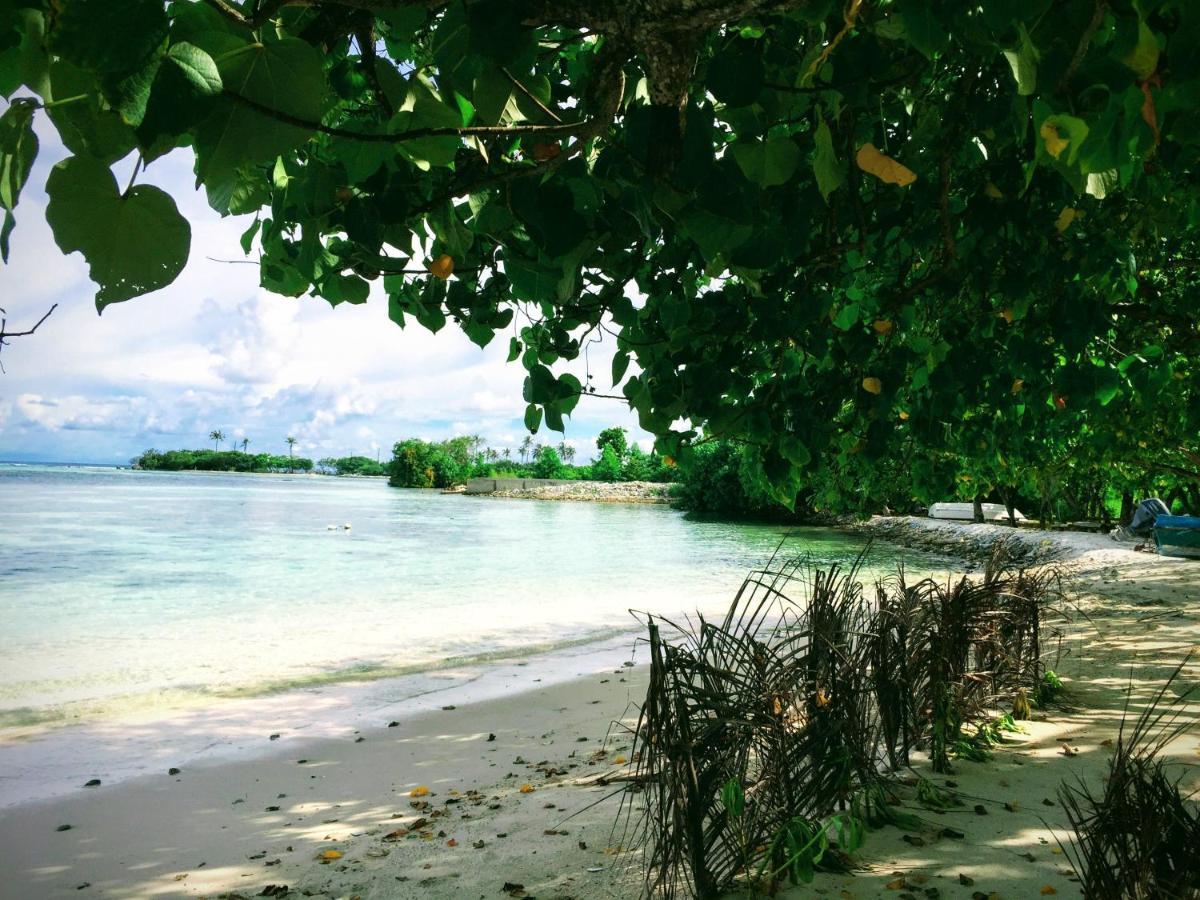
(291, 442)
(507, 453)
(566, 452)
(216, 436)
(526, 446)
(245, 443)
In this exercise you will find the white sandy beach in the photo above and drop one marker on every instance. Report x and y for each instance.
(525, 808)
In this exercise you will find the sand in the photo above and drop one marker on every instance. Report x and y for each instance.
(237, 827)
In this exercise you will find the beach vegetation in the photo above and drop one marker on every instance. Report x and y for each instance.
(1135, 835)
(779, 723)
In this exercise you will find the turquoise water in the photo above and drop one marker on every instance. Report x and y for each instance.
(124, 590)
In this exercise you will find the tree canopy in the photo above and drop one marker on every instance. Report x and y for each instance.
(959, 236)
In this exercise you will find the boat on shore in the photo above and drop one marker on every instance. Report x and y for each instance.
(1178, 536)
(992, 512)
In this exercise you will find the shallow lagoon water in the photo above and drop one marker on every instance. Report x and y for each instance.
(127, 591)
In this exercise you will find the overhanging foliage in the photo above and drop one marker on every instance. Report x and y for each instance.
(960, 235)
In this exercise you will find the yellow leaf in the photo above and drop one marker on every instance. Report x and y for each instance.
(442, 267)
(1018, 385)
(994, 192)
(330, 854)
(1057, 851)
(1055, 144)
(883, 167)
(421, 791)
(527, 789)
(1047, 890)
(1143, 59)
(1065, 218)
(882, 326)
(1006, 314)
(903, 415)
(872, 385)
(620, 759)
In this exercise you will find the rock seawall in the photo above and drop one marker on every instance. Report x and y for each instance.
(584, 491)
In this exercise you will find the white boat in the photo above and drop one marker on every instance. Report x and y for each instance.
(992, 512)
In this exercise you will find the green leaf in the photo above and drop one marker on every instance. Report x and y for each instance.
(1023, 61)
(767, 164)
(18, 149)
(922, 27)
(339, 288)
(826, 168)
(6, 231)
(198, 68)
(109, 37)
(620, 364)
(422, 110)
(533, 418)
(285, 76)
(86, 124)
(134, 243)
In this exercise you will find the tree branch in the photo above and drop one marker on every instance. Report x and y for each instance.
(412, 135)
(5, 335)
(1085, 41)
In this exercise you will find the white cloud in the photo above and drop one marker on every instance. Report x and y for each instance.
(214, 350)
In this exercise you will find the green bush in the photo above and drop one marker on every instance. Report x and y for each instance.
(718, 479)
(548, 465)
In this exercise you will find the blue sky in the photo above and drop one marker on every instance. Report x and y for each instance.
(213, 350)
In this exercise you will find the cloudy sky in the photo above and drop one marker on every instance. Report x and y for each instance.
(213, 351)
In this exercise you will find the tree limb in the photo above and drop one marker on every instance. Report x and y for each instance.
(1085, 41)
(412, 135)
(5, 335)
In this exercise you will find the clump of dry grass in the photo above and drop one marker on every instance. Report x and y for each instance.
(783, 719)
(1137, 837)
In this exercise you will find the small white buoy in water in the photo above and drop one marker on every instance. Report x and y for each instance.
(347, 526)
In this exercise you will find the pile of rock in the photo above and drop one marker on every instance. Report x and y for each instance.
(594, 491)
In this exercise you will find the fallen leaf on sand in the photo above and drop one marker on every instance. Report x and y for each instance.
(452, 843)
(1047, 890)
(527, 789)
(1012, 805)
(1057, 851)
(895, 884)
(421, 791)
(329, 854)
(619, 760)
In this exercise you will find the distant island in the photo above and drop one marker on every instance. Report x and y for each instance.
(241, 461)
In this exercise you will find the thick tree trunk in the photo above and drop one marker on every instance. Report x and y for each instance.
(1126, 508)
(978, 510)
(1010, 508)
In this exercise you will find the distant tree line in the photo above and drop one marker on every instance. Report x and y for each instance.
(220, 461)
(442, 464)
(353, 465)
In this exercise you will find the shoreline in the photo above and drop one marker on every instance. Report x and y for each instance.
(123, 748)
(237, 824)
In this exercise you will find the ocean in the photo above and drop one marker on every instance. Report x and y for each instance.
(136, 592)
